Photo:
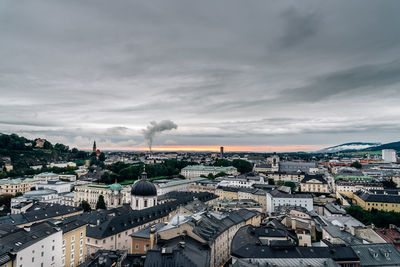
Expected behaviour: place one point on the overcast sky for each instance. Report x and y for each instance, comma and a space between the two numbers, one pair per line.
236, 73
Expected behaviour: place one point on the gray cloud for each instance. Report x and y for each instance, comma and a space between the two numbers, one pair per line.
298, 27
231, 72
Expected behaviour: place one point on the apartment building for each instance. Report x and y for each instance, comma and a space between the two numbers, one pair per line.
314, 184
277, 198
113, 195
36, 245
197, 170
73, 241
18, 185
386, 200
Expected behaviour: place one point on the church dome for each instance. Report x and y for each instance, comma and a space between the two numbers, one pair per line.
115, 187
144, 188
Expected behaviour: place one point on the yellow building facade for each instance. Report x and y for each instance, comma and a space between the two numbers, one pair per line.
385, 202
73, 243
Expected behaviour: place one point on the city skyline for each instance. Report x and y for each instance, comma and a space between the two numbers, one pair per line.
266, 76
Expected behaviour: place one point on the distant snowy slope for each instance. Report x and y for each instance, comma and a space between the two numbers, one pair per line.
349, 146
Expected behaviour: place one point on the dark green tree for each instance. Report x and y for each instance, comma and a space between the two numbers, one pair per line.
86, 206
356, 164
222, 162
389, 184
220, 174
47, 145
100, 203
18, 194
243, 166
102, 157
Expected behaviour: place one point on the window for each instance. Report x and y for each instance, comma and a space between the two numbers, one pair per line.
72, 238
42, 254
64, 242
81, 234
52, 248
104, 241
63, 251
33, 259
52, 258
137, 246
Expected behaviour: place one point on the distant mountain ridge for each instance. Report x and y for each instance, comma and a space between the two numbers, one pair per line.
361, 146
393, 145
353, 146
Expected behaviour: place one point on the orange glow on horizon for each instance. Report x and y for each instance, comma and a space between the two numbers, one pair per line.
277, 148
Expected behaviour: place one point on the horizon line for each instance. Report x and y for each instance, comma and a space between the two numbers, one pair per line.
227, 149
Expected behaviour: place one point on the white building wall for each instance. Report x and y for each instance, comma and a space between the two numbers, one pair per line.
138, 202
60, 188
275, 202
165, 190
389, 155
46, 252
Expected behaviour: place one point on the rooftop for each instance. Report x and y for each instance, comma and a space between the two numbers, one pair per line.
377, 254
180, 182
208, 168
19, 238
280, 194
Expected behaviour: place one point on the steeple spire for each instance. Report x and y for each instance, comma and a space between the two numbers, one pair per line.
94, 146
144, 174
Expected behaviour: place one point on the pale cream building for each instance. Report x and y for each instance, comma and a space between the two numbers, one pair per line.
314, 184
113, 196
13, 186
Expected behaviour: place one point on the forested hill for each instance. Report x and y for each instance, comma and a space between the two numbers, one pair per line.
24, 152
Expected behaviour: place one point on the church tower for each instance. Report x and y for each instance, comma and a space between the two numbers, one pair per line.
94, 146
143, 193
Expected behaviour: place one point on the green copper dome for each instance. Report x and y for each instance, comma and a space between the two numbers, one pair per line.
115, 187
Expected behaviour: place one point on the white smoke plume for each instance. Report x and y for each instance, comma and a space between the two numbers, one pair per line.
155, 128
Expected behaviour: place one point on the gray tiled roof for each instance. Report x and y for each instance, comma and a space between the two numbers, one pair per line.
377, 254
107, 223
170, 253
39, 211
369, 196
18, 239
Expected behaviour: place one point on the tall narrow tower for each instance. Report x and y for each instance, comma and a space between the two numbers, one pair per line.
221, 151
94, 146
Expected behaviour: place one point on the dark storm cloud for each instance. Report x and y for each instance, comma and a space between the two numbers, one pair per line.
298, 27
231, 71
358, 80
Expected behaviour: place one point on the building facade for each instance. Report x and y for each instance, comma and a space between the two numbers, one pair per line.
314, 184
276, 198
90, 192
73, 242
197, 170
13, 186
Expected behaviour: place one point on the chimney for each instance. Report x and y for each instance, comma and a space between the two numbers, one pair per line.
152, 236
